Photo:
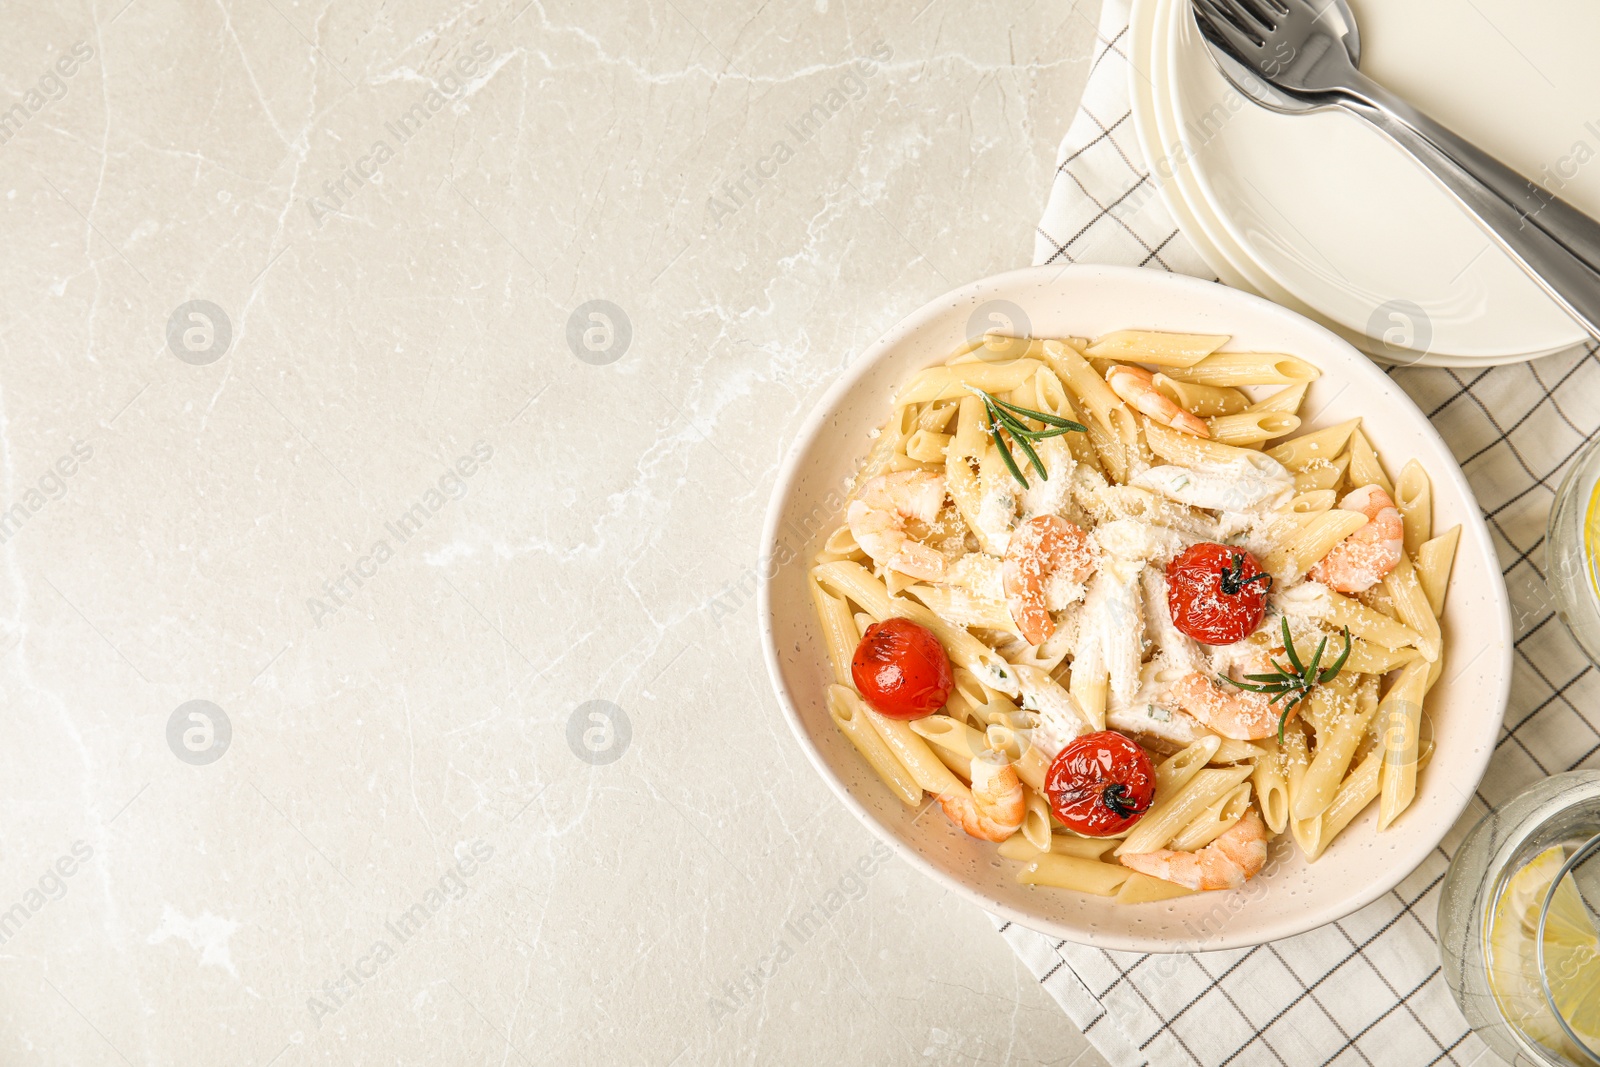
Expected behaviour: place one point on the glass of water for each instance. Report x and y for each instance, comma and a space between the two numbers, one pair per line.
1519, 929
1572, 550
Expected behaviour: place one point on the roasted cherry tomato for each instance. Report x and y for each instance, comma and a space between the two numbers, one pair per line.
1100, 784
1217, 593
902, 670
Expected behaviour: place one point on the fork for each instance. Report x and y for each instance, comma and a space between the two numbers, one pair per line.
1292, 45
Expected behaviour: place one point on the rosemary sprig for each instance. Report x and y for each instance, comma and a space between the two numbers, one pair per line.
1295, 681
1003, 415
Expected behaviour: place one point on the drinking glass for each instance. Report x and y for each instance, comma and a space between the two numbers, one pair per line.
1572, 550
1519, 930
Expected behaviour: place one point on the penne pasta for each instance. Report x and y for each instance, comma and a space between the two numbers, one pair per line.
963, 458
1036, 820
1336, 744
1298, 453
914, 755
1359, 790
1203, 400
1271, 786
1232, 751
1047, 394
1411, 605
1310, 502
1314, 538
1247, 368
847, 712
1187, 450
958, 605
1086, 848
990, 703
1307, 833
954, 737
1111, 455
1144, 889
1331, 699
1287, 399
841, 544
1216, 820
1321, 473
1088, 689
1002, 737
1041, 691
957, 707
883, 451
1092, 393
1054, 400
935, 417
1019, 847
1366, 623
1155, 347
1031, 765
1434, 560
1174, 772
895, 583
855, 583
1364, 466
1369, 658
1400, 716
1413, 495
953, 382
997, 347
1166, 818
1071, 872
967, 347
1252, 427
926, 446
961, 768
839, 631
1355, 793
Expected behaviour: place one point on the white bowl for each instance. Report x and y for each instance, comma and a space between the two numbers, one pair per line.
1290, 896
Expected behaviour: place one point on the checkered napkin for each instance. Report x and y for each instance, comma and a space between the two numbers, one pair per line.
1366, 989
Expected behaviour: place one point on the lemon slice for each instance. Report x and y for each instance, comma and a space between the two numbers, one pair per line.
1591, 525
1572, 962
1571, 954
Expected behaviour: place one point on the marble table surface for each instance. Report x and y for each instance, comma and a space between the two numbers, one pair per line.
389, 398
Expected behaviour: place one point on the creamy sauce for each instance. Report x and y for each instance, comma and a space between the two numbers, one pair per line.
1111, 625
1243, 485
979, 574
1132, 540
1048, 496
997, 514
1060, 718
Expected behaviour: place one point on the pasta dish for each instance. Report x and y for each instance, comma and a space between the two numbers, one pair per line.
1109, 608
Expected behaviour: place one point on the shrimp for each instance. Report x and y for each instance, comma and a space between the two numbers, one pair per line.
1361, 560
1236, 713
1227, 863
1137, 386
1043, 554
878, 514
994, 808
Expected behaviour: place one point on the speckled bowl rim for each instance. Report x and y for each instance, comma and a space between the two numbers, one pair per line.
1444, 806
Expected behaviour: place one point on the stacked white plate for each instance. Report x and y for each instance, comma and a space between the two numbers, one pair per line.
1324, 215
